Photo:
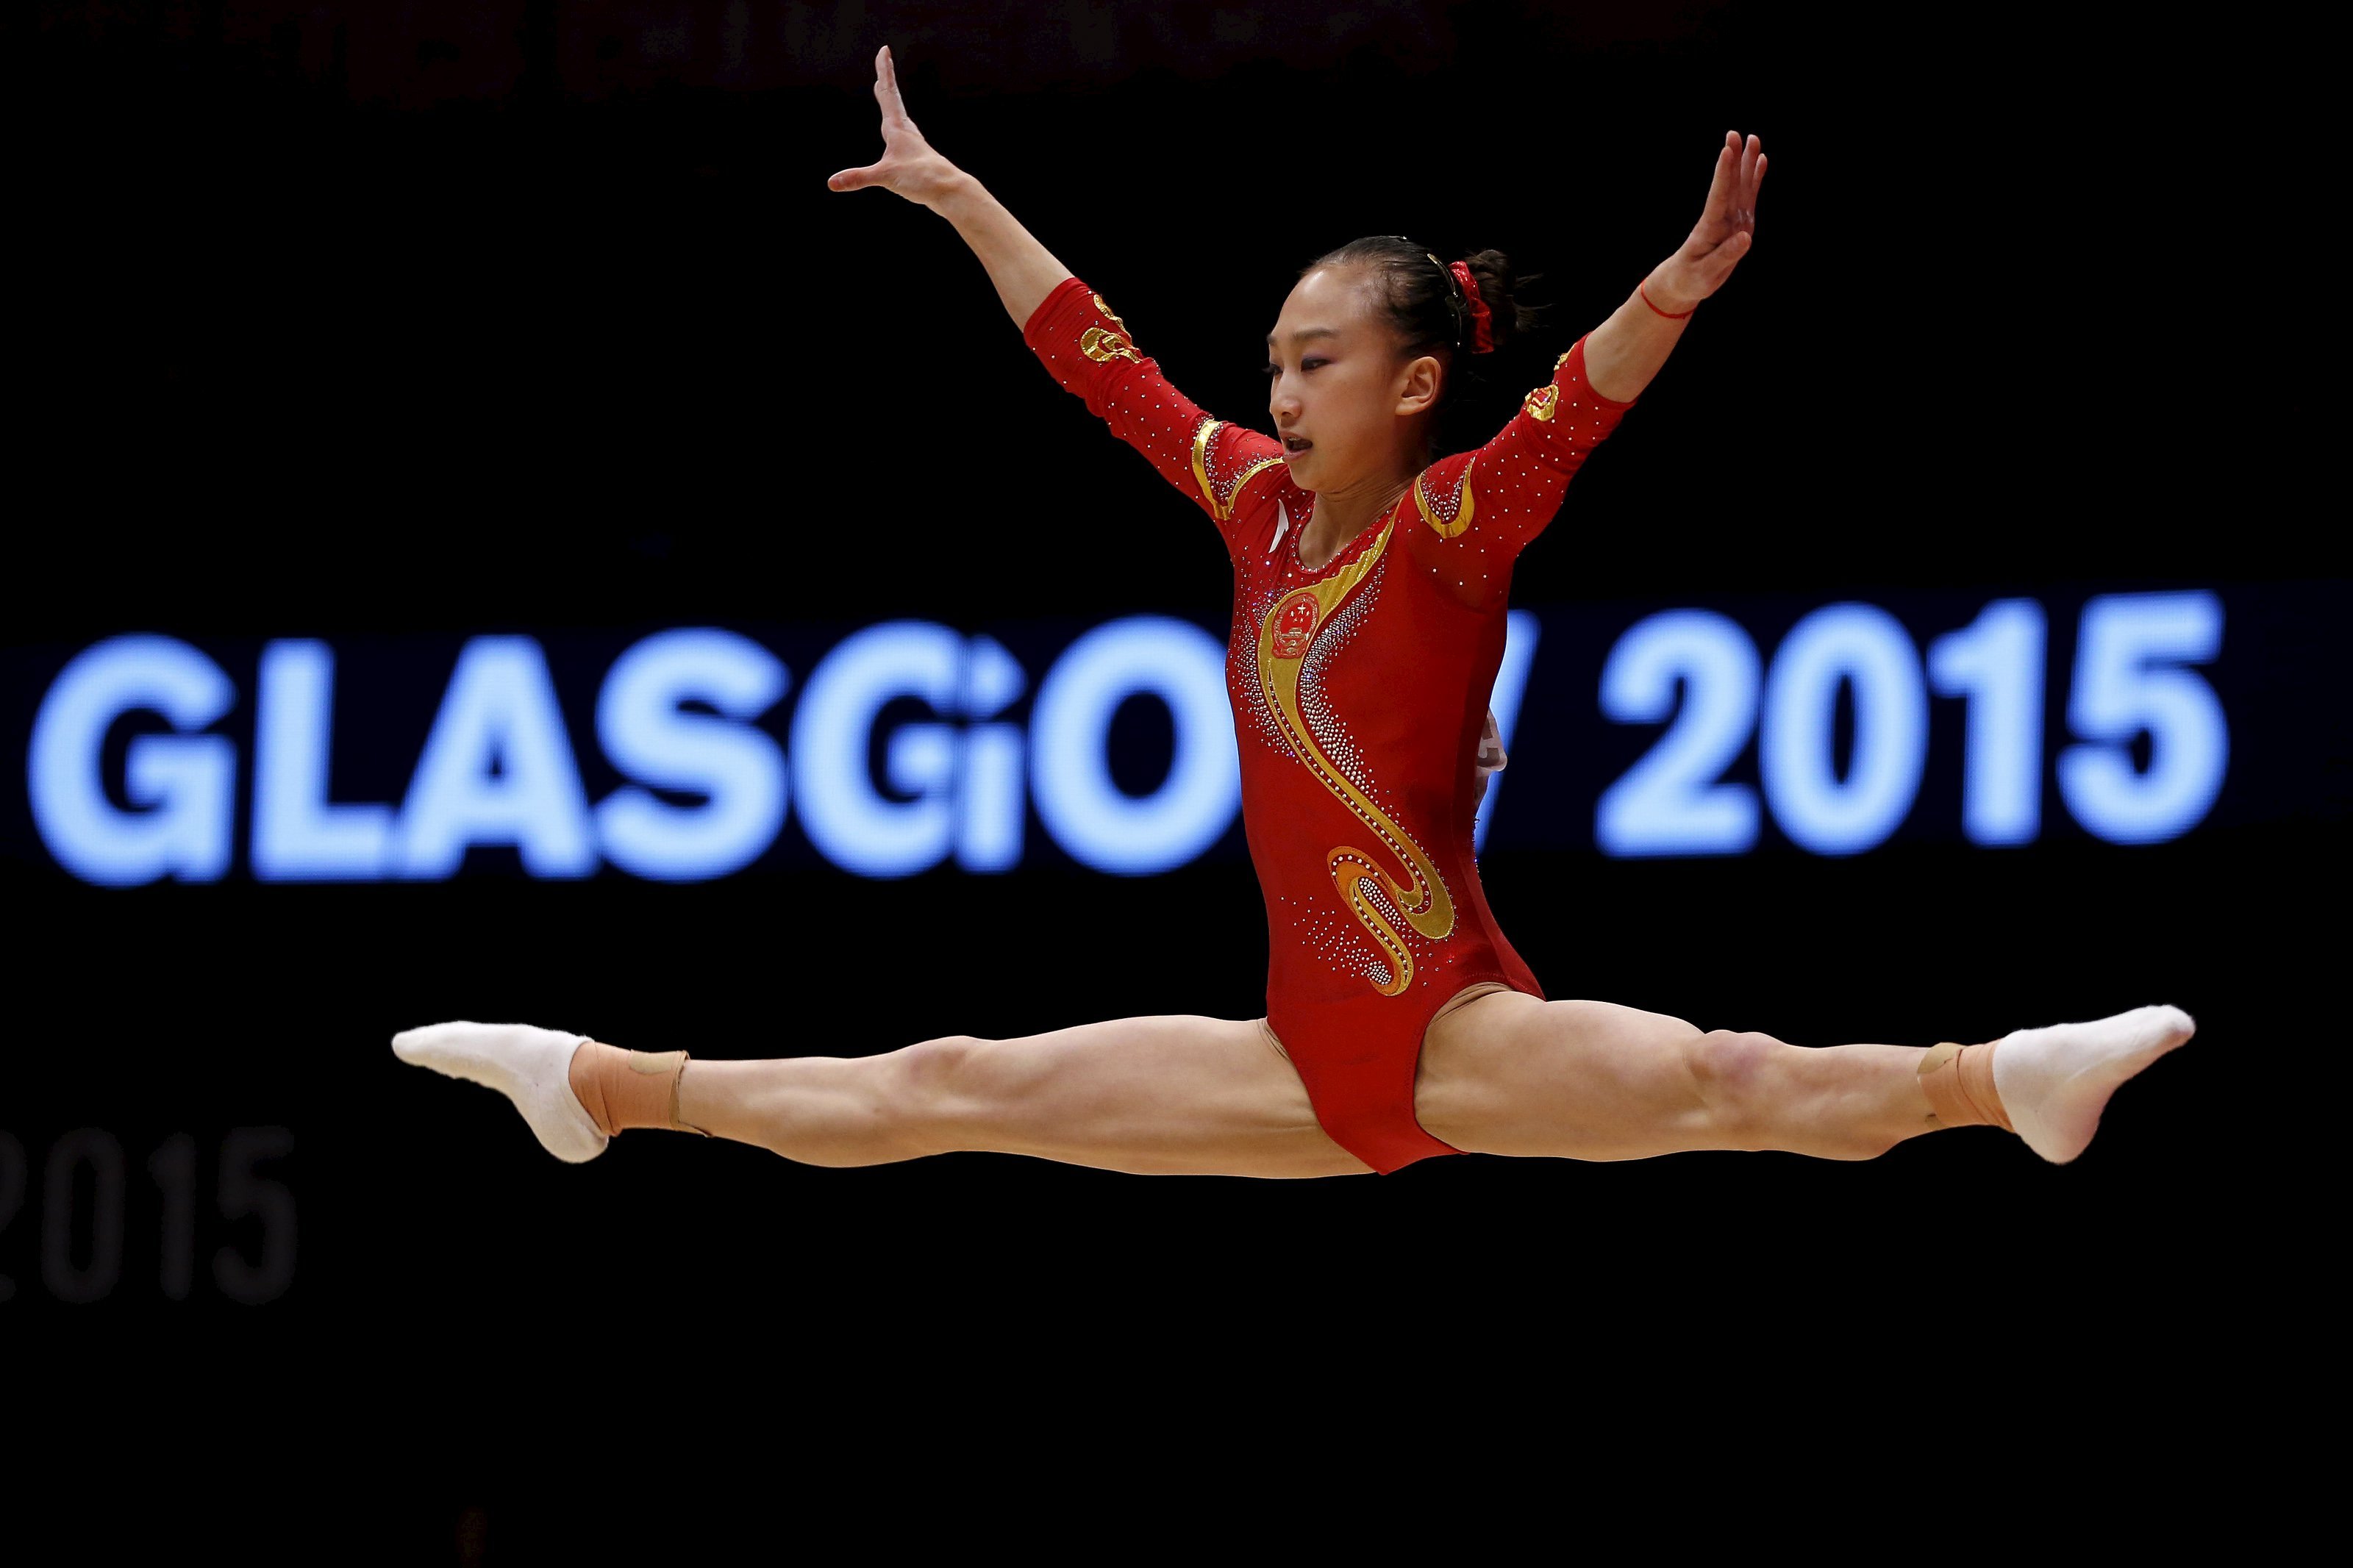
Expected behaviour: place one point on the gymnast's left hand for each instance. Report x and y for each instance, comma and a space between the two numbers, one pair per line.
1491, 758
910, 166
1725, 232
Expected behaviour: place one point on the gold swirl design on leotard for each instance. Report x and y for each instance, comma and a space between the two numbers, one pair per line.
1448, 518
1102, 345
1543, 402
1283, 639
1221, 505
1105, 344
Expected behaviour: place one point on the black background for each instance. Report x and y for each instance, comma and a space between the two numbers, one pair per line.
340, 321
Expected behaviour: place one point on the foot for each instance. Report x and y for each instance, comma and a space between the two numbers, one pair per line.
530, 1066
2054, 1082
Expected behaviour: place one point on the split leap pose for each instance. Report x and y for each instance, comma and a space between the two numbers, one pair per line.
1369, 588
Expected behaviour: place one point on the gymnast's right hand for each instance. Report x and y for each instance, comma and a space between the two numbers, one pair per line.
908, 165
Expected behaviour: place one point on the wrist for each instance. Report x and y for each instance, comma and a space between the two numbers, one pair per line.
957, 196
1666, 293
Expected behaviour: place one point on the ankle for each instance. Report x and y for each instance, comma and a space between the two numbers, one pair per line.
1958, 1082
621, 1090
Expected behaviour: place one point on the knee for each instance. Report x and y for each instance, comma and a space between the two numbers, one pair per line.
949, 1092
936, 1080
1731, 1068
1757, 1095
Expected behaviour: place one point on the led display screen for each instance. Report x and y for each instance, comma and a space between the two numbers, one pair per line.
903, 745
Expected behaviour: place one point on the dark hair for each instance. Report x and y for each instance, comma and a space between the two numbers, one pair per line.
1423, 304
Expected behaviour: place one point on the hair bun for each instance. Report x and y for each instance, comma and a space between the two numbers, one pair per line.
1476, 330
1499, 293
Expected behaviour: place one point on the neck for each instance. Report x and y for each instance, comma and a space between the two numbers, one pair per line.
1349, 509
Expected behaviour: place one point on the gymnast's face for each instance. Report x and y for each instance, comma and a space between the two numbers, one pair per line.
1338, 381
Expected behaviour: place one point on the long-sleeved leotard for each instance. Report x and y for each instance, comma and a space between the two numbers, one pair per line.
1359, 693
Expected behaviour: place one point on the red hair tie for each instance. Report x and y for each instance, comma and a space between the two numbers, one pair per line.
1483, 340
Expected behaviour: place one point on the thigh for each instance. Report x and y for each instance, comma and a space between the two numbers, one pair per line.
1508, 1074
1175, 1094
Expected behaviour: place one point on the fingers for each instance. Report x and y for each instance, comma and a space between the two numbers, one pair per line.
1721, 186
1752, 158
1723, 234
894, 114
1739, 169
886, 85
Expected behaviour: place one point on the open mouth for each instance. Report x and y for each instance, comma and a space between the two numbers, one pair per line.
1293, 446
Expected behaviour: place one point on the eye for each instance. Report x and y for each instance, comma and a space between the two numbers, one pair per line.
1271, 371
1312, 363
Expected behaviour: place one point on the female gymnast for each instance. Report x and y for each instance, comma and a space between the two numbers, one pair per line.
1370, 587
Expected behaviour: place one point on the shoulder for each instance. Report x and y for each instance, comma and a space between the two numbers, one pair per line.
1227, 459
1444, 496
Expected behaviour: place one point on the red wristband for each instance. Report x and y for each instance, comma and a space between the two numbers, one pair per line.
1671, 315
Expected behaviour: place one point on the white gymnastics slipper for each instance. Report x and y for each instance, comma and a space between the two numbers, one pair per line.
530, 1066
2054, 1082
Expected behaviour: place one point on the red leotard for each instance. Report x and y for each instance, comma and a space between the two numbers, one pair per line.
1359, 692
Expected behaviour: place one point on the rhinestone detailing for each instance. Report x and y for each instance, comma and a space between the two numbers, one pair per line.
1245, 689
1451, 514
1222, 490
1373, 895
1314, 701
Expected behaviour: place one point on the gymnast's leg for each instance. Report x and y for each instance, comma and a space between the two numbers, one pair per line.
1167, 1095
1508, 1074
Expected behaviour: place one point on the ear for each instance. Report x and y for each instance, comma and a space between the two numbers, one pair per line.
1417, 385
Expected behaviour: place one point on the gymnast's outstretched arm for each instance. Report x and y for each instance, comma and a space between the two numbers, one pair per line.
1024, 271
1625, 352
1081, 343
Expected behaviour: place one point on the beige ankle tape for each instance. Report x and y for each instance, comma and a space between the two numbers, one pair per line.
621, 1090
679, 1123
1958, 1081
